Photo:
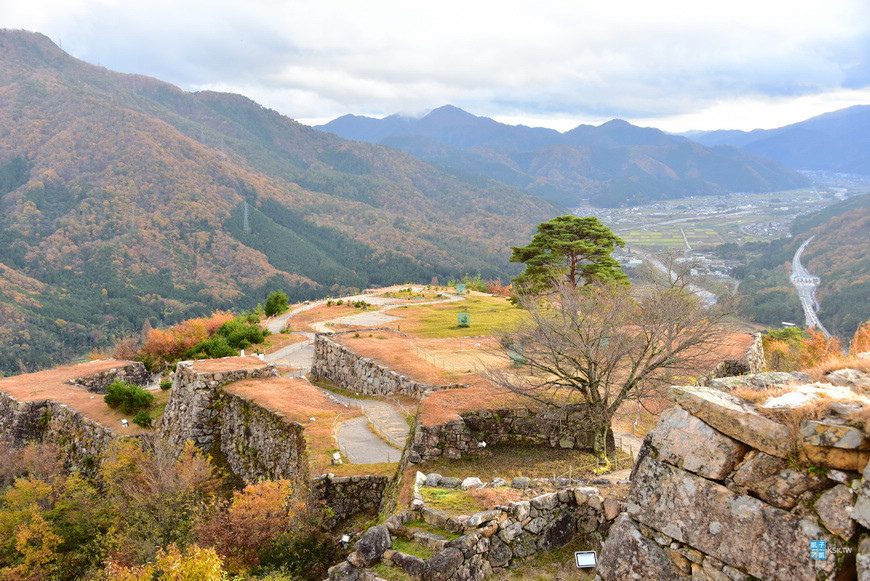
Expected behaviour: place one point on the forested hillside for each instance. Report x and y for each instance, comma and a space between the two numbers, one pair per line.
839, 254
612, 164
123, 198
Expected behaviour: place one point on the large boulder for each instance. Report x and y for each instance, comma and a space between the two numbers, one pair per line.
371, 546
741, 531
683, 440
628, 555
736, 418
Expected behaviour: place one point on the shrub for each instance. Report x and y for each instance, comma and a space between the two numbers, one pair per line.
143, 419
127, 398
276, 303
214, 347
166, 384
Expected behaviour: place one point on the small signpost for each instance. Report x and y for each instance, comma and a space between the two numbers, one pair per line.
460, 288
585, 559
463, 319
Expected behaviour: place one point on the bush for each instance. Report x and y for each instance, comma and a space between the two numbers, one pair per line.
127, 398
214, 347
143, 419
166, 384
276, 303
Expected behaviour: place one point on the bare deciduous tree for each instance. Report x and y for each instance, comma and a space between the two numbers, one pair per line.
606, 345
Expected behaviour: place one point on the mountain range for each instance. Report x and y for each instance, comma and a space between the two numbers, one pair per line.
612, 164
124, 198
838, 141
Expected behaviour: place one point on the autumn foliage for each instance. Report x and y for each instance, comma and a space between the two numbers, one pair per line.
163, 345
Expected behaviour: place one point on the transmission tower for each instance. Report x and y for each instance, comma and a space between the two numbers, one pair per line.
246, 228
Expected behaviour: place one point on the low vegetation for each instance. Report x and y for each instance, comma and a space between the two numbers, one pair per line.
144, 512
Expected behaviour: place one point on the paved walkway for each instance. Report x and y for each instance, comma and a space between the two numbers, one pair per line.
386, 419
298, 355
360, 446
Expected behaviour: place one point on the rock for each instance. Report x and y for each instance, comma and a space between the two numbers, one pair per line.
838, 458
430, 540
863, 560
861, 511
433, 479
829, 433
732, 528
855, 380
545, 501
498, 482
413, 566
510, 532
450, 482
520, 482
471, 482
688, 443
344, 571
482, 517
559, 533
774, 481
435, 517
371, 546
761, 380
465, 543
628, 555
442, 565
519, 510
612, 508
736, 418
834, 507
499, 553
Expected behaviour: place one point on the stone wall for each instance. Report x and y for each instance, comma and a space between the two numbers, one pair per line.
350, 371
258, 444
254, 442
349, 496
491, 541
81, 441
130, 371
717, 494
566, 427
755, 356
192, 413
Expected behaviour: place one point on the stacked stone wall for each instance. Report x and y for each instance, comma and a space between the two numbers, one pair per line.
255, 443
349, 496
720, 492
81, 441
568, 427
259, 444
491, 541
350, 371
130, 372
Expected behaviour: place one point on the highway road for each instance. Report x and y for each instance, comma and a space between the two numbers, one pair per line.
805, 283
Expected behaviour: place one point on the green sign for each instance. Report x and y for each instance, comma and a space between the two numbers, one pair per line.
464, 319
460, 288
517, 355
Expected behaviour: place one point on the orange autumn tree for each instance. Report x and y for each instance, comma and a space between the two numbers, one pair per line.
861, 340
165, 345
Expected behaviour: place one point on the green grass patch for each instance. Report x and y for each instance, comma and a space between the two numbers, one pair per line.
450, 500
423, 526
507, 461
488, 315
391, 573
412, 548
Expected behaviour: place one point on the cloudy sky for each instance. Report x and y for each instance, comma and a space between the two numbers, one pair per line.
672, 64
